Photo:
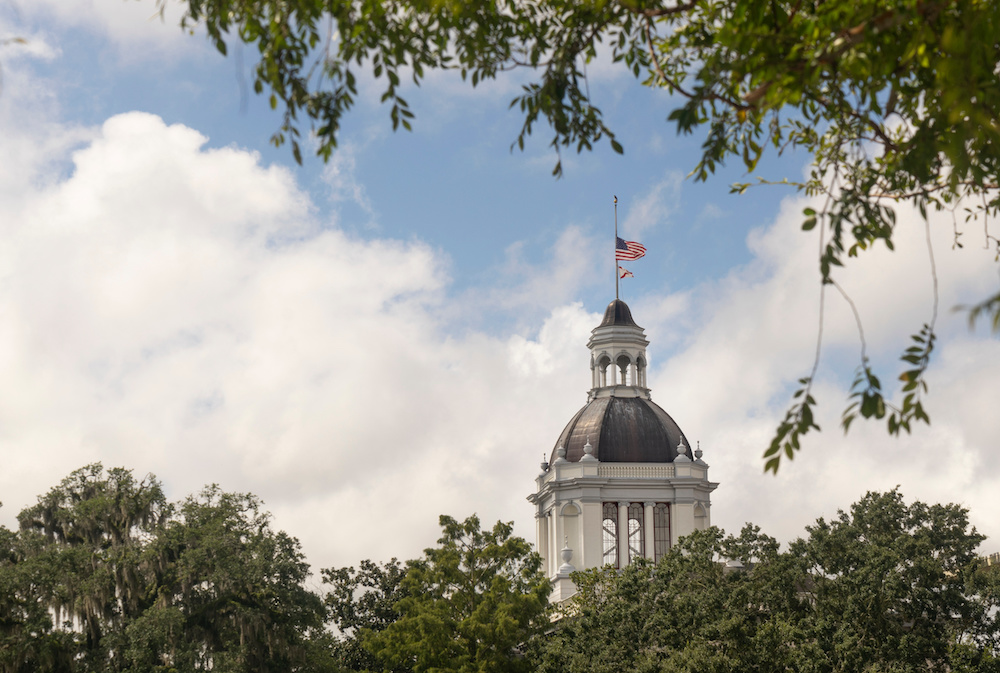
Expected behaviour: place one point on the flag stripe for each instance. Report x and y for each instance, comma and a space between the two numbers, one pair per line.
629, 249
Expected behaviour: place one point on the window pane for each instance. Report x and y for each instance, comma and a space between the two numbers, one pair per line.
661, 529
610, 533
635, 531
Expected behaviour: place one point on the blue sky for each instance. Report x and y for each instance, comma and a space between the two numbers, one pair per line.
401, 332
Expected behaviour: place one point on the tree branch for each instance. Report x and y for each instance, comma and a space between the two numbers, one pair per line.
675, 85
876, 128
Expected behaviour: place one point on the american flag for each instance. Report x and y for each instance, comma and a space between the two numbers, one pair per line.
624, 273
629, 249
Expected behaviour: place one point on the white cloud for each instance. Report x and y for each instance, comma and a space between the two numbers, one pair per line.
36, 150
656, 207
710, 212
183, 311
136, 28
186, 311
16, 43
573, 264
339, 174
739, 343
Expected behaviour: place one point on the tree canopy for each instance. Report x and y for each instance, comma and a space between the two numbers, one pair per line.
105, 574
895, 101
469, 605
884, 587
363, 602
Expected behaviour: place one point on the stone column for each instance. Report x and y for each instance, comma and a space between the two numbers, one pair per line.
647, 523
542, 535
542, 541
553, 542
672, 518
622, 534
557, 538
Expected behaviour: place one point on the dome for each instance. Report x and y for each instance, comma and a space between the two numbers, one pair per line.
617, 313
622, 430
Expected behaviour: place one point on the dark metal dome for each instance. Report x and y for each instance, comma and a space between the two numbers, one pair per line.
622, 430
617, 313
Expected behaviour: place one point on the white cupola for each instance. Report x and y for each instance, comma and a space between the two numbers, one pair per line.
620, 482
618, 355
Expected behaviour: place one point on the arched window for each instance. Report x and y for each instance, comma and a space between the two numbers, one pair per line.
624, 364
635, 531
602, 372
700, 517
661, 529
610, 533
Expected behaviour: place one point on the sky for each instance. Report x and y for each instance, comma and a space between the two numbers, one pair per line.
400, 333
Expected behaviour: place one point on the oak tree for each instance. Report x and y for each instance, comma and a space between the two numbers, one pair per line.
82, 546
105, 574
471, 603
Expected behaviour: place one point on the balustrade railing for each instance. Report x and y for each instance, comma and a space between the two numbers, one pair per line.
636, 471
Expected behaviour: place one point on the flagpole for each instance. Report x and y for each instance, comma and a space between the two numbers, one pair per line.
616, 248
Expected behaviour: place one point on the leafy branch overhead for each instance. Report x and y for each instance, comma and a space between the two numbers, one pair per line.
895, 101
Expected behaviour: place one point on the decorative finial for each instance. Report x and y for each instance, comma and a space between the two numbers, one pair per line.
682, 450
567, 555
588, 451
698, 453
560, 454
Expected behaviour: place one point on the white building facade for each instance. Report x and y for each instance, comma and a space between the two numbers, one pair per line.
621, 482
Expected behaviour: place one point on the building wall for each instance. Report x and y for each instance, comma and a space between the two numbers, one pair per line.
569, 504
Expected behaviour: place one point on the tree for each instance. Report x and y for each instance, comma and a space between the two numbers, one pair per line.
231, 596
363, 602
885, 587
28, 641
895, 101
688, 613
82, 546
896, 583
470, 603
106, 575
